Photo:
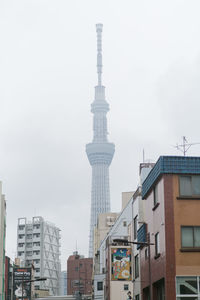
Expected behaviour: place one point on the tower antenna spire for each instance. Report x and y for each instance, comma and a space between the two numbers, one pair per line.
99, 28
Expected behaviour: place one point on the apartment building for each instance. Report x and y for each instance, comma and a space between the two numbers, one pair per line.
38, 242
170, 268
79, 275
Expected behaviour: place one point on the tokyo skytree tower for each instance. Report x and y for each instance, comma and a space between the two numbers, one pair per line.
100, 152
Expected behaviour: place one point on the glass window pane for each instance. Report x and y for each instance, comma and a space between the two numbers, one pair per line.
186, 285
197, 236
185, 185
187, 236
196, 185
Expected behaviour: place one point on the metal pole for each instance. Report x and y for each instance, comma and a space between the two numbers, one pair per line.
149, 261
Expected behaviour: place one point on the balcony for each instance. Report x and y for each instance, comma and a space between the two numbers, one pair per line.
36, 256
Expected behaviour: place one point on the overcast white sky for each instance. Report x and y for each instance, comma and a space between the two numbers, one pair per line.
151, 58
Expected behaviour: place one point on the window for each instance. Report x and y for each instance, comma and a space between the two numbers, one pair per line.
135, 227
146, 253
99, 286
155, 195
29, 236
126, 287
21, 227
190, 236
189, 185
187, 287
124, 224
36, 235
136, 266
157, 244
76, 269
137, 297
21, 236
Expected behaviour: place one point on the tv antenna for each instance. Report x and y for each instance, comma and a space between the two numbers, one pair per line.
184, 147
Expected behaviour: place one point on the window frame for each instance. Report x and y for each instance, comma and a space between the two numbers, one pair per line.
137, 272
193, 237
195, 195
135, 224
157, 244
100, 283
155, 195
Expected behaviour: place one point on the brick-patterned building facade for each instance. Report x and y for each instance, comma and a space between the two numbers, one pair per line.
79, 275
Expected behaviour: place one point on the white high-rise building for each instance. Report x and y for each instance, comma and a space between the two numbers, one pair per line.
38, 242
100, 152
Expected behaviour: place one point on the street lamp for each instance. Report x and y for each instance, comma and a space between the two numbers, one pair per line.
145, 244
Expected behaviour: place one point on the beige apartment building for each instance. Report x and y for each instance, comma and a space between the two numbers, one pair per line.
104, 223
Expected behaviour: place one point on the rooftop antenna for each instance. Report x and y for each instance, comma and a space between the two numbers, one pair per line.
184, 147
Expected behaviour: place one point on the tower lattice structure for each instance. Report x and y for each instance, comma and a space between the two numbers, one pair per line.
100, 152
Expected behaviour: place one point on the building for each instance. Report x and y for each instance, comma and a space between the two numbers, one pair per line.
2, 242
79, 275
8, 278
38, 242
108, 282
63, 283
100, 152
104, 223
170, 268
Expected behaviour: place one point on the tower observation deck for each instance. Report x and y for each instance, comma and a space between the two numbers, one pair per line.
100, 152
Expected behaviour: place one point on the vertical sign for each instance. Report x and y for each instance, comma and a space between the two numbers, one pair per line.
21, 288
121, 264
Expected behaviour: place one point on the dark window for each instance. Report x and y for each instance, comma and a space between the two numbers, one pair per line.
99, 286
135, 227
136, 266
146, 253
137, 297
124, 224
21, 236
126, 287
76, 269
21, 227
189, 185
157, 244
190, 236
155, 195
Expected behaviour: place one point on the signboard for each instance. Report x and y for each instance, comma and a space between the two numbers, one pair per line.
121, 264
21, 288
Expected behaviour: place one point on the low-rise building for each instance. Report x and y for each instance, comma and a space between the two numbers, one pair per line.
170, 268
